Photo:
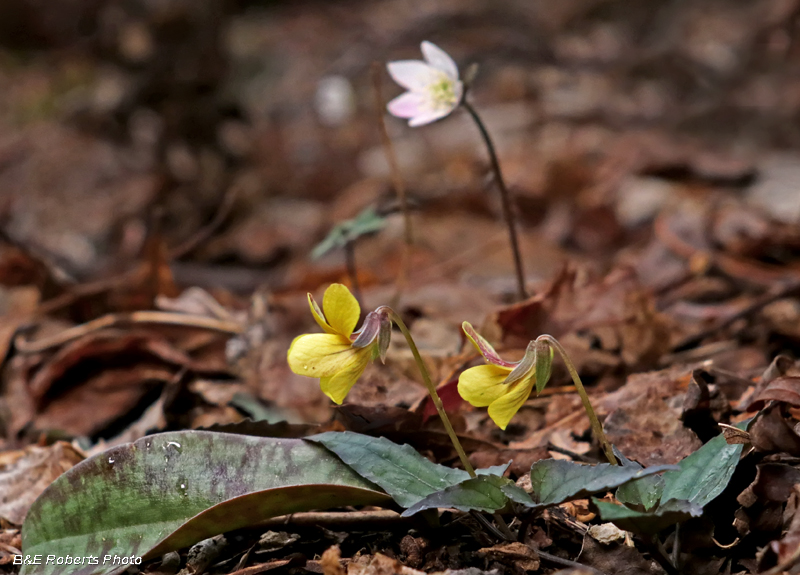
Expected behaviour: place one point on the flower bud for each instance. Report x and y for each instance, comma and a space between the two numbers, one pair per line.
544, 363
369, 330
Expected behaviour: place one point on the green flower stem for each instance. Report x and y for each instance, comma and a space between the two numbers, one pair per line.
597, 427
504, 197
395, 317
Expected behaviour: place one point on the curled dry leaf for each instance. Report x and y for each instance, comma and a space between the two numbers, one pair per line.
774, 483
331, 561
785, 389
771, 432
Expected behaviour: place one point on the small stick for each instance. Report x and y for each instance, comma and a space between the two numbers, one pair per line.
200, 236
575, 456
336, 519
352, 271
504, 197
261, 567
653, 545
778, 292
25, 346
676, 545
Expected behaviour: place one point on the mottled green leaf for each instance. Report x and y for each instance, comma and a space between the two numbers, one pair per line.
647, 522
170, 490
483, 493
556, 481
705, 473
641, 493
402, 472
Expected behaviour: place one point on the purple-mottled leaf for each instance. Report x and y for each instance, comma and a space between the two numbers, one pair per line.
170, 490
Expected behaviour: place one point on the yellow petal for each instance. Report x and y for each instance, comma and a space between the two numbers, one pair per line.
319, 354
483, 384
504, 408
318, 316
341, 309
337, 386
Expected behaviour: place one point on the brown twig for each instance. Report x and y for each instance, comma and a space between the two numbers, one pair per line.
773, 295
26, 346
397, 179
262, 567
575, 456
205, 232
337, 519
352, 270
125, 278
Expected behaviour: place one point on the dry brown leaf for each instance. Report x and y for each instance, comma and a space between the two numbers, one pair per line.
770, 432
783, 389
25, 474
331, 561
380, 564
516, 555
650, 431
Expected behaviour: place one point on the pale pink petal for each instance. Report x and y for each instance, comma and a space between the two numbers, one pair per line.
406, 105
414, 75
439, 59
429, 116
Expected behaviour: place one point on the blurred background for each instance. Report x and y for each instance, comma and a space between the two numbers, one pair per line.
240, 132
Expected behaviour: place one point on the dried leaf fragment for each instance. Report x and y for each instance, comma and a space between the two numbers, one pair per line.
23, 478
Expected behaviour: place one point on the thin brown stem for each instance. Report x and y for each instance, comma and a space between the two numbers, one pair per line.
504, 198
426, 378
26, 346
352, 271
397, 182
391, 157
597, 427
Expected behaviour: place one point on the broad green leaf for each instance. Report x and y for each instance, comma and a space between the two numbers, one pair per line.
170, 490
705, 473
493, 470
647, 522
402, 472
483, 493
556, 481
644, 492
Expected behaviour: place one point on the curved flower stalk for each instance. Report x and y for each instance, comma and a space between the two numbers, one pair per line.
339, 356
434, 88
434, 92
504, 386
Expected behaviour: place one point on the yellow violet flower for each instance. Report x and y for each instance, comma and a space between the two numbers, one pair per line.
339, 356
501, 385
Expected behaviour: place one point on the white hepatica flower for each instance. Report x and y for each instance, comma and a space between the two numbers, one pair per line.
434, 89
